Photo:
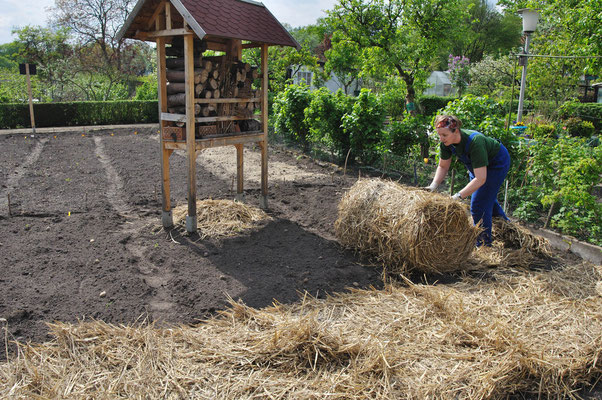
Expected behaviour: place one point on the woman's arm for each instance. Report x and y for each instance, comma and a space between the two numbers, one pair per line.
480, 176
442, 169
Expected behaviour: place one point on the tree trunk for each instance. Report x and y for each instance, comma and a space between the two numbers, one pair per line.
411, 107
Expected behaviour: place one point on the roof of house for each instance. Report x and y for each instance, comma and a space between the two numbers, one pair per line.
235, 19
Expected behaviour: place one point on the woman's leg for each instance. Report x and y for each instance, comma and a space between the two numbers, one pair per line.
484, 204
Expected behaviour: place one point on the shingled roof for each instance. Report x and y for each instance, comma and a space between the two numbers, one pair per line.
234, 19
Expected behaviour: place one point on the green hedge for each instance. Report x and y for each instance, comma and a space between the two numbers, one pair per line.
586, 111
431, 104
79, 113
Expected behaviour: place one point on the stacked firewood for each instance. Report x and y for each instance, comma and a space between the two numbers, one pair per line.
215, 77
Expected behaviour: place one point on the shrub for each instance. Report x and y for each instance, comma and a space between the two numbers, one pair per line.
542, 131
79, 113
148, 89
430, 105
364, 125
591, 112
576, 127
324, 116
407, 133
289, 111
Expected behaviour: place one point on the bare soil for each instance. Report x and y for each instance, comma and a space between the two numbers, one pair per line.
80, 233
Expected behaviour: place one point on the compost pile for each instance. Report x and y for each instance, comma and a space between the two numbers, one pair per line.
521, 332
405, 228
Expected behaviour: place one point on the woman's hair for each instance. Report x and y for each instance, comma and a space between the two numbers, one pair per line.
448, 121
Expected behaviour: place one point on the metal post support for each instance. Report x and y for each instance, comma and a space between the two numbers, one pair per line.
523, 81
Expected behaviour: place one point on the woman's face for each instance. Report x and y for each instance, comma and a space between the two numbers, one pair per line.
447, 136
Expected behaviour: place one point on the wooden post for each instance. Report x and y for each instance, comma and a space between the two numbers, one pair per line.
239, 172
191, 222
31, 116
264, 123
166, 215
167, 15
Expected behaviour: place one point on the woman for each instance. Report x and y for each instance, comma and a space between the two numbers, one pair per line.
487, 161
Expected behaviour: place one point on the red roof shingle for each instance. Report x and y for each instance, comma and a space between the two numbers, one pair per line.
235, 19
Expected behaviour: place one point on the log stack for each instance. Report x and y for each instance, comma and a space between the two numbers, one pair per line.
215, 77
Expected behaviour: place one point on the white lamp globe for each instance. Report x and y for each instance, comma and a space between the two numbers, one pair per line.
530, 19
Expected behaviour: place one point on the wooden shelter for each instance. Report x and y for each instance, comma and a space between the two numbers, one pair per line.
207, 101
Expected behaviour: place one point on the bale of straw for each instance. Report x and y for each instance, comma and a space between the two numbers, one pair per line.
405, 228
221, 218
515, 236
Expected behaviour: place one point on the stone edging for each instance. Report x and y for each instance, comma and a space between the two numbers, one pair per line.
586, 251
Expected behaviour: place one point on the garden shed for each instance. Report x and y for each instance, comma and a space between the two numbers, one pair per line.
208, 101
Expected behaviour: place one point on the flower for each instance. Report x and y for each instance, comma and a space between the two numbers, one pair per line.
426, 160
519, 123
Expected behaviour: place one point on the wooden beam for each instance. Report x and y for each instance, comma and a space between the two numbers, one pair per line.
191, 222
152, 20
217, 141
166, 32
166, 217
251, 45
173, 117
235, 48
264, 126
239, 172
168, 16
228, 100
221, 119
217, 46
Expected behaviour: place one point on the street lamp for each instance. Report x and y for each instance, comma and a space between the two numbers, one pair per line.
530, 18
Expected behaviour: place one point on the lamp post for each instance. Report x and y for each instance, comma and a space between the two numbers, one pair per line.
530, 18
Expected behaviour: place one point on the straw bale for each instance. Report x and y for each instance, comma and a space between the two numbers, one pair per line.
524, 332
405, 228
513, 235
221, 218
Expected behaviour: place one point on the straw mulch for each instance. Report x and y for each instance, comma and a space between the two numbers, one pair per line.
513, 235
221, 218
529, 333
405, 228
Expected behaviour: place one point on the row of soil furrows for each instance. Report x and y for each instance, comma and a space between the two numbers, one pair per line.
83, 240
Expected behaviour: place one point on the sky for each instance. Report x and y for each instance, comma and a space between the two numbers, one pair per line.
19, 13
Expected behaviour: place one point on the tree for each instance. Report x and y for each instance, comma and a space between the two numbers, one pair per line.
567, 27
396, 37
343, 60
100, 56
95, 23
50, 50
480, 31
285, 62
492, 76
459, 72
9, 55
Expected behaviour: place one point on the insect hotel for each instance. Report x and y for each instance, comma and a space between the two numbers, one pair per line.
208, 101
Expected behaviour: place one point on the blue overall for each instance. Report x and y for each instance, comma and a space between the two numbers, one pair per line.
483, 203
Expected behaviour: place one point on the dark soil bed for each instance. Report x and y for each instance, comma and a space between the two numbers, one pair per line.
80, 238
